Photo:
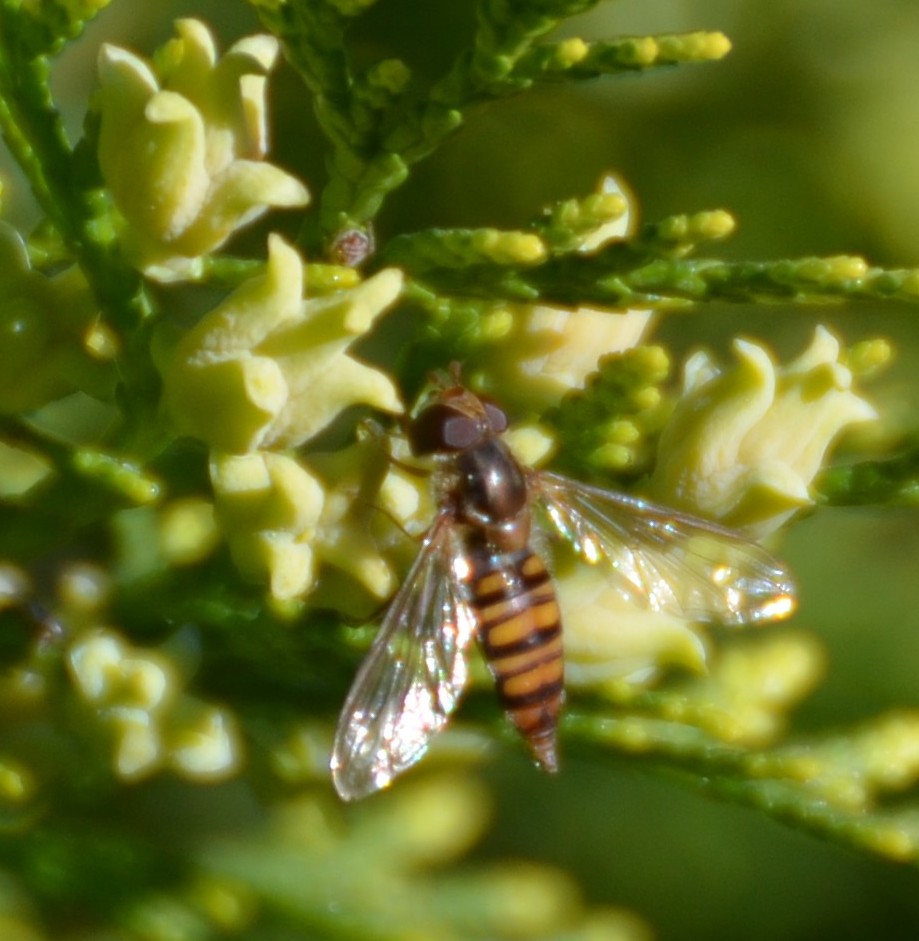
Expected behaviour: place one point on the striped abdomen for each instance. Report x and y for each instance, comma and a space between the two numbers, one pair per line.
521, 635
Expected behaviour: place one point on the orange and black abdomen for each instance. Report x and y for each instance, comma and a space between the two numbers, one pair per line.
521, 636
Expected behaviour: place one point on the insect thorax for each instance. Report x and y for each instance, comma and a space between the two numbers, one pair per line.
490, 486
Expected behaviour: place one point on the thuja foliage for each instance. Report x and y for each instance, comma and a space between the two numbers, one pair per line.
203, 488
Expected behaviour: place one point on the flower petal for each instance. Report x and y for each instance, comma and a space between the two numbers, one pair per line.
181, 147
607, 638
238, 196
745, 442
270, 506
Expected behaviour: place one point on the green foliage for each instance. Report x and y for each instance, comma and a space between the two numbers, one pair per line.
622, 277
33, 130
547, 62
43, 27
873, 483
192, 512
837, 785
608, 428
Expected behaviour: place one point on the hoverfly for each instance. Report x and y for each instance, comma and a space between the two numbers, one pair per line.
477, 575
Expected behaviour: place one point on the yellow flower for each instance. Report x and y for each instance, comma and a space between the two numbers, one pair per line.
269, 507
136, 694
535, 353
745, 442
284, 519
182, 143
268, 369
609, 638
203, 742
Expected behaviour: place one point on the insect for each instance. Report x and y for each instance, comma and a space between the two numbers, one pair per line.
353, 246
477, 575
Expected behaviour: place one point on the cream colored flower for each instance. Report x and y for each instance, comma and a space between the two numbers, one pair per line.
534, 353
745, 441
608, 638
284, 520
182, 143
137, 695
269, 507
203, 743
130, 689
268, 369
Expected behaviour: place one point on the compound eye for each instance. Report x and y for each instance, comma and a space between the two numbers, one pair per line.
442, 428
497, 419
460, 431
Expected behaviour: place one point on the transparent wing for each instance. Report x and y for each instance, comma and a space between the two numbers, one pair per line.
413, 676
666, 560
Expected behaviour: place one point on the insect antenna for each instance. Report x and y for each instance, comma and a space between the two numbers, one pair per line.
449, 378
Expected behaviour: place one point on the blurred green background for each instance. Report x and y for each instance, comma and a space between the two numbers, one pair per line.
808, 132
